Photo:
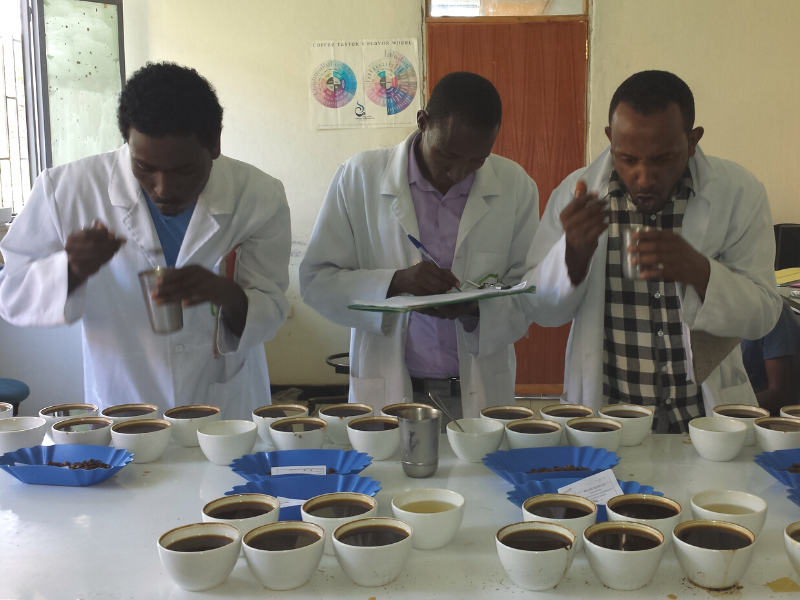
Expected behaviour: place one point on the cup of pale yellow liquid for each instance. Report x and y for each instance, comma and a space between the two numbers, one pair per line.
435, 515
731, 506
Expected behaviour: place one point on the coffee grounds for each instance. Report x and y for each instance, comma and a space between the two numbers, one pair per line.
795, 468
89, 465
558, 469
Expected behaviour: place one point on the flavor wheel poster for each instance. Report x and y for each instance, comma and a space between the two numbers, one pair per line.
364, 83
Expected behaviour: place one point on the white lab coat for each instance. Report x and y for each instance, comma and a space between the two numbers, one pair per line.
360, 240
728, 220
124, 361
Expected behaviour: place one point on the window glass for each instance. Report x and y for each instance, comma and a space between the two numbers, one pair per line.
505, 8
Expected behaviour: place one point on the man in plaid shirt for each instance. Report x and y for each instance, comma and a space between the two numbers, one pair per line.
704, 248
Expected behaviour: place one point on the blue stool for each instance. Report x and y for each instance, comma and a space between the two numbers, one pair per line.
13, 392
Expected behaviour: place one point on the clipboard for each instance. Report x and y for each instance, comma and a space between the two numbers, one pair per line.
404, 304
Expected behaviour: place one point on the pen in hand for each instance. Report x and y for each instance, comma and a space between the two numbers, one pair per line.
418, 245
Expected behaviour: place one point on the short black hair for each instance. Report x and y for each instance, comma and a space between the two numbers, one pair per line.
469, 97
649, 92
165, 99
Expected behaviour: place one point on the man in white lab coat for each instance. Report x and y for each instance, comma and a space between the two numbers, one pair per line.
475, 214
165, 198
706, 261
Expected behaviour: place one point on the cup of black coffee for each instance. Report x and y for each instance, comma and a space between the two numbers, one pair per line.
147, 439
200, 556
186, 419
713, 554
536, 555
284, 556
573, 512
373, 552
533, 433
656, 511
329, 511
243, 511
624, 556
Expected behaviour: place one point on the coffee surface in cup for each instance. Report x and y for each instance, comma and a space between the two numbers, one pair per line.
374, 426
536, 540
739, 413
199, 543
531, 428
344, 411
278, 412
625, 414
795, 536
192, 413
373, 535
296, 427
594, 427
128, 412
278, 540
134, 427
642, 509
239, 510
567, 412
339, 508
729, 509
506, 414
713, 537
622, 539
428, 506
782, 426
559, 509
70, 412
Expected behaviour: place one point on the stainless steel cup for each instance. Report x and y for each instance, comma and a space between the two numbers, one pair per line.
419, 440
164, 318
629, 270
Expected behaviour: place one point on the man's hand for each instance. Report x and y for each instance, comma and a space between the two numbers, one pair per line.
667, 256
423, 279
88, 250
454, 311
195, 285
583, 220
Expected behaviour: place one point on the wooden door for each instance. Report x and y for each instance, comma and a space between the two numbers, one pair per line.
539, 68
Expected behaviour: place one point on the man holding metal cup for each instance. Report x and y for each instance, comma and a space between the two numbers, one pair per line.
210, 236
650, 250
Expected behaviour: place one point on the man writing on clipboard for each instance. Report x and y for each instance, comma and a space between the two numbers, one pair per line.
473, 212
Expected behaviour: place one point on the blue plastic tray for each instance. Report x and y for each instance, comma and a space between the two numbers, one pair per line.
304, 487
776, 462
255, 467
29, 465
550, 486
512, 465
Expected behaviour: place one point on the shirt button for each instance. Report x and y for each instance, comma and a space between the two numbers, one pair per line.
652, 217
668, 401
416, 261
660, 333
179, 348
664, 369
658, 294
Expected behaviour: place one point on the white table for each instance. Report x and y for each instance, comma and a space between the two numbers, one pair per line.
100, 542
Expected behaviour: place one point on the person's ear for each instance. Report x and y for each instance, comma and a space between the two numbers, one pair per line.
422, 120
694, 138
215, 149
608, 134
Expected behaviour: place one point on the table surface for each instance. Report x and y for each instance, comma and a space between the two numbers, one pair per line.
100, 541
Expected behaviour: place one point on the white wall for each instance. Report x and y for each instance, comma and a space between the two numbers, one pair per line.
254, 52
740, 57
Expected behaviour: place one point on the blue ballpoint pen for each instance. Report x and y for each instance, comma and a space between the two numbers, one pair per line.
418, 245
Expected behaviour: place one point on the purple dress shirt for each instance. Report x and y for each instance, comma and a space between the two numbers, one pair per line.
431, 348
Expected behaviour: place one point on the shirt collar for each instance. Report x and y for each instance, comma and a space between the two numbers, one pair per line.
616, 187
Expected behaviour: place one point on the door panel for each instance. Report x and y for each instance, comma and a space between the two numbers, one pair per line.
539, 68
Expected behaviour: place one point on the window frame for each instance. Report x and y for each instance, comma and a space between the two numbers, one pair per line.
506, 18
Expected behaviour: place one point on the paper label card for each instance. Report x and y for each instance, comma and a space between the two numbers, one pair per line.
599, 488
304, 470
287, 502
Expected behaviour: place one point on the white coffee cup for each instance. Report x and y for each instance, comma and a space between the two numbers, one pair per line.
184, 426
329, 524
264, 415
524, 433
21, 432
91, 431
380, 444
717, 439
664, 525
504, 415
284, 569
711, 568
62, 412
745, 413
146, 446
562, 413
792, 545
576, 525
623, 570
224, 441
636, 420
432, 530
479, 438
120, 413
609, 439
536, 571
198, 571
373, 566
269, 504
731, 506
296, 433
337, 416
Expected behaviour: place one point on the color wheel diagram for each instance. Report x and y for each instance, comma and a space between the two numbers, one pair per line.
333, 84
392, 82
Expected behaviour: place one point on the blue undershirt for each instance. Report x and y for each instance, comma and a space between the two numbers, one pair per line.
170, 230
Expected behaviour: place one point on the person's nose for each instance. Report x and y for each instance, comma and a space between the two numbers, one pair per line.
645, 177
164, 186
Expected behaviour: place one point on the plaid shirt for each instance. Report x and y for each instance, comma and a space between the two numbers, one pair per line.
644, 360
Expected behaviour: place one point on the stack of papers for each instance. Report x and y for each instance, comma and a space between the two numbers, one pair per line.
787, 276
402, 304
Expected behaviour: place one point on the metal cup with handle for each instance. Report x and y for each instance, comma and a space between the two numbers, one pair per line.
419, 440
164, 318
